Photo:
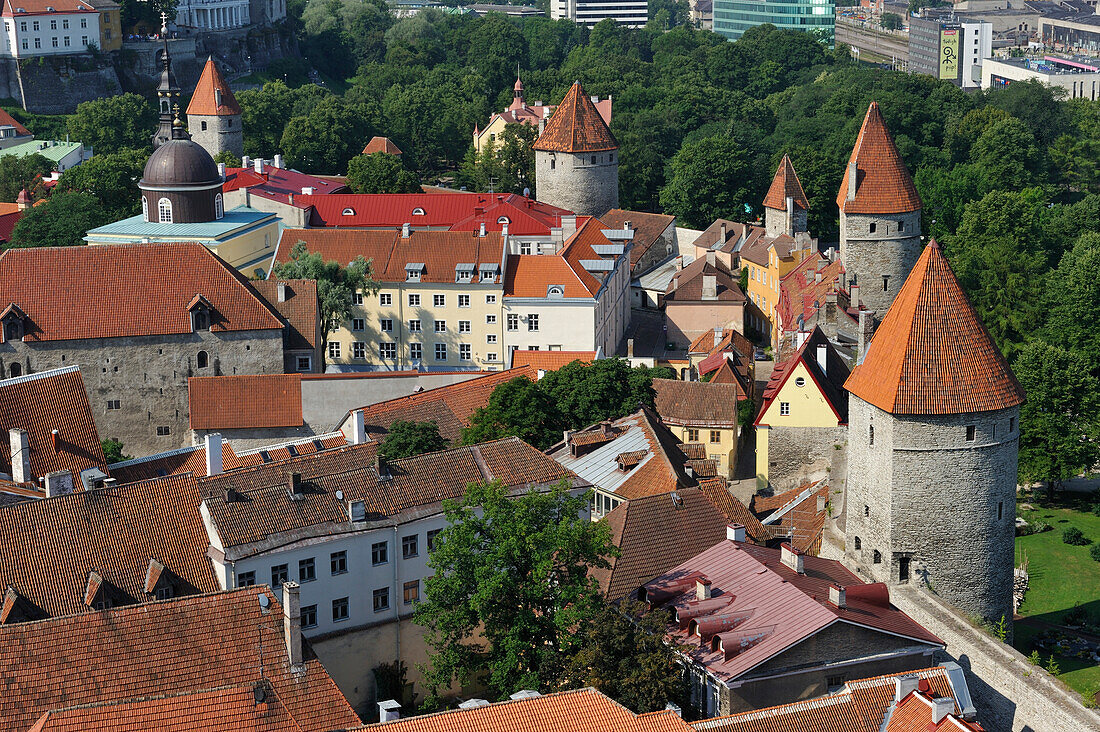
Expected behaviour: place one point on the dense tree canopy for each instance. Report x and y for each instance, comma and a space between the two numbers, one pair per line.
22, 172
405, 439
113, 123
60, 221
380, 173
112, 178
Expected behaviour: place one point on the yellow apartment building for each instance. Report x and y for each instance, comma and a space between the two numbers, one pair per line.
703, 413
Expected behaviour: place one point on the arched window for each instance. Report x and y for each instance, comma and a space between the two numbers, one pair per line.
164, 208
418, 212
348, 212
859, 544
503, 220
878, 557
219, 207
15, 370
145, 208
202, 360
203, 125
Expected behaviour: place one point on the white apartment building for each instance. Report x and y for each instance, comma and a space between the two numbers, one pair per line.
216, 14
48, 27
977, 44
631, 13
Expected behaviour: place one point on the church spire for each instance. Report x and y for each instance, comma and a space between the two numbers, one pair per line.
168, 92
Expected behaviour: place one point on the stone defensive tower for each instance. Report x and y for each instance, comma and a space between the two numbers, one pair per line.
213, 116
879, 216
577, 158
933, 433
785, 205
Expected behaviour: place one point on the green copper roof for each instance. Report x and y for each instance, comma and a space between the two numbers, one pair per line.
55, 150
234, 222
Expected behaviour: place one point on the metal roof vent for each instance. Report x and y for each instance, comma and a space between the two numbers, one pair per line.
474, 704
525, 694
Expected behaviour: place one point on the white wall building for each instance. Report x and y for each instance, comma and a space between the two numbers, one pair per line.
977, 44
215, 14
1080, 78
631, 13
48, 27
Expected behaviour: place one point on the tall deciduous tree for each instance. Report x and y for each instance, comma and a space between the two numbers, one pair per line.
514, 571
1072, 296
405, 439
61, 221
327, 137
603, 389
112, 178
19, 172
708, 179
381, 173
114, 123
516, 408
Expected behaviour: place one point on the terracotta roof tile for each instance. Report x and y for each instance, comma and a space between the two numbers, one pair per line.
381, 144
914, 713
697, 403
786, 185
648, 228
41, 403
550, 360
883, 185
576, 126
801, 294
6, 120
932, 354
687, 284
531, 275
173, 462
245, 402
112, 531
801, 524
728, 236
211, 89
163, 648
733, 509
299, 309
146, 289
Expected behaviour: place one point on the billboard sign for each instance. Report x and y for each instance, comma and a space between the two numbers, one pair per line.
949, 53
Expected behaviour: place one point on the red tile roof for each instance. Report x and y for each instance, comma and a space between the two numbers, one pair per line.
8, 220
801, 524
576, 126
281, 184
932, 354
245, 402
687, 284
299, 309
801, 294
583, 710
883, 185
736, 512
550, 360
830, 381
41, 403
462, 210
381, 144
786, 185
6, 120
42, 7
145, 290
52, 545
211, 86
915, 713
778, 608
697, 403
648, 228
201, 643
732, 239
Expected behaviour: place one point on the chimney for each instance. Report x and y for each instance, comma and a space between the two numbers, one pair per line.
290, 198
258, 165
278, 162
866, 330
722, 240
55, 439
941, 707
710, 287
679, 262
281, 290
675, 709
307, 190
630, 348
568, 226
790, 215
217, 97
389, 710
358, 428
213, 443
405, 231
382, 467
504, 230
294, 485
853, 172
710, 258
735, 532
627, 226
822, 359
817, 277
20, 444
702, 589
791, 558
221, 170
853, 295
246, 162
904, 686
292, 622
836, 596
717, 336
481, 229
59, 483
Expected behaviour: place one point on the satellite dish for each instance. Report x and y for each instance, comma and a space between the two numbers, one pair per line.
339, 495
265, 601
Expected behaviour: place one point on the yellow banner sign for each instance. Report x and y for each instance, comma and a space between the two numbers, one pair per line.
949, 54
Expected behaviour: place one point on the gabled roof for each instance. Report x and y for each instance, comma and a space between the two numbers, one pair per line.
259, 401
802, 293
687, 284
6, 120
532, 275
281, 184
731, 237
210, 89
201, 643
648, 228
41, 403
794, 516
830, 381
731, 372
437, 209
786, 185
381, 144
932, 354
299, 309
550, 360
583, 710
523, 216
883, 184
697, 403
143, 290
576, 126
736, 512
916, 713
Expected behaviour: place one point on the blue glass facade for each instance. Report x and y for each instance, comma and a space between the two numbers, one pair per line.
733, 17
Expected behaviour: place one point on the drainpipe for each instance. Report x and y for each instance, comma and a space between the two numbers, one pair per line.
396, 606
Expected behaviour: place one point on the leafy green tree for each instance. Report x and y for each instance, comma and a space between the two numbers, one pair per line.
607, 388
505, 166
405, 439
1058, 422
707, 180
112, 178
112, 450
891, 21
335, 284
264, 114
514, 571
1072, 294
326, 138
496, 48
61, 221
114, 123
1007, 153
381, 173
229, 158
19, 172
516, 408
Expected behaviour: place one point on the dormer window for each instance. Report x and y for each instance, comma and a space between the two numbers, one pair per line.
201, 312
464, 272
12, 318
418, 211
487, 273
555, 291
348, 212
413, 271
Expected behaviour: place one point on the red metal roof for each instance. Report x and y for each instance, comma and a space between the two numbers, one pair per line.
883, 184
280, 184
461, 210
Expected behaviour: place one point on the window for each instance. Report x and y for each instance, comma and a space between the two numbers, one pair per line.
412, 592
166, 592
1000, 510
84, 24
871, 227
799, 381
464, 352
309, 616
490, 319
359, 350
164, 206
871, 434
338, 562
784, 409
219, 205
440, 351
279, 574
464, 301
441, 326
491, 357
53, 25
379, 553
439, 301
886, 283
593, 159
23, 26
246, 579
859, 543
412, 275
384, 299
491, 338
414, 300
202, 359
432, 537
340, 609
834, 682
414, 325
25, 46
877, 557
409, 546
903, 569
359, 323
553, 163
114, 404
1011, 424
53, 41
163, 431
490, 299
715, 436
532, 322
306, 570
334, 349
901, 226
35, 26
866, 510
67, 44
693, 435
387, 350
357, 298
416, 351
971, 433
464, 326
381, 599
305, 363
513, 322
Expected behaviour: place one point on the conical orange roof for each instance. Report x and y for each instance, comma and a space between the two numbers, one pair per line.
786, 184
212, 89
883, 185
931, 354
576, 126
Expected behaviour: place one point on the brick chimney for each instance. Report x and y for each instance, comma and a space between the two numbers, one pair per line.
405, 231
853, 172
837, 596
258, 165
292, 622
59, 483
280, 290
278, 161
823, 359
20, 444
294, 485
791, 558
213, 444
702, 589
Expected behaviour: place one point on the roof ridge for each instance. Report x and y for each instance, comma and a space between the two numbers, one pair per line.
25, 378
156, 456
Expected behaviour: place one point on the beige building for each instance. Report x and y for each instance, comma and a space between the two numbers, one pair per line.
704, 413
703, 296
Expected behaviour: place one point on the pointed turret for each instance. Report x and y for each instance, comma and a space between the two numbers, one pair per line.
517, 95
876, 180
213, 116
168, 92
785, 205
576, 127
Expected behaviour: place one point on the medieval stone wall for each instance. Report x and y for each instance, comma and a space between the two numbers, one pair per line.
798, 455
56, 85
217, 134
887, 251
575, 183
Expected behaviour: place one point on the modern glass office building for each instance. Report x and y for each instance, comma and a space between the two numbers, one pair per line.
733, 17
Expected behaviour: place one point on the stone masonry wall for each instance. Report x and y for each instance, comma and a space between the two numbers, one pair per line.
221, 133
887, 251
797, 455
577, 184
57, 85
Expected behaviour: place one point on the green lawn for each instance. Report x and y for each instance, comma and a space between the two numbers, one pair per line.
1061, 576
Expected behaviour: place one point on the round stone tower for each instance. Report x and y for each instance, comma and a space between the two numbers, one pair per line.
577, 158
213, 116
933, 433
785, 205
879, 216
